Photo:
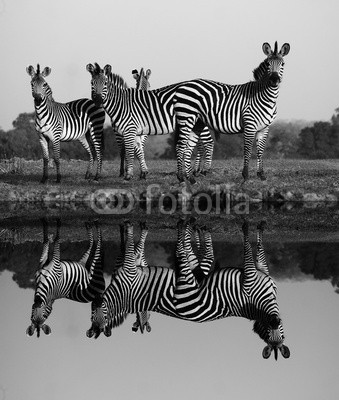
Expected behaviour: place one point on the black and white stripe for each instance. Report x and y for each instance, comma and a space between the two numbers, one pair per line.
138, 112
57, 122
80, 281
142, 83
191, 293
249, 108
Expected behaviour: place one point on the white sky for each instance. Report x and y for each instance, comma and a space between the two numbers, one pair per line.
177, 39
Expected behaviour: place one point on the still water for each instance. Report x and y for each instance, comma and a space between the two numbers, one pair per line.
142, 352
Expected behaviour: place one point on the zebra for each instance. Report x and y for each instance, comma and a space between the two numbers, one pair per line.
247, 292
57, 122
139, 112
142, 83
80, 281
249, 108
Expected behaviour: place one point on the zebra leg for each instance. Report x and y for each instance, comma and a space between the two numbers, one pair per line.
249, 134
184, 255
208, 256
45, 246
250, 271
139, 248
187, 156
260, 261
205, 252
208, 147
139, 145
261, 138
45, 156
198, 165
179, 149
85, 256
120, 142
56, 151
94, 267
183, 133
98, 150
129, 139
87, 147
129, 264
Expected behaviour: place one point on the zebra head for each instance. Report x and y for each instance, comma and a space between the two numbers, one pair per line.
99, 320
270, 329
142, 79
40, 313
40, 88
99, 82
273, 67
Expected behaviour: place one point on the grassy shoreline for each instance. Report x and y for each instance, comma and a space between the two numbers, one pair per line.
291, 183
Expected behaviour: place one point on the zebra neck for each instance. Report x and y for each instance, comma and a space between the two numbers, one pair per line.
114, 101
263, 86
46, 107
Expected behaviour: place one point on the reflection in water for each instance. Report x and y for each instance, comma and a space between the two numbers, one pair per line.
194, 289
81, 280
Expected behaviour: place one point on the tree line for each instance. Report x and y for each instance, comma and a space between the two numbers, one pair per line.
286, 139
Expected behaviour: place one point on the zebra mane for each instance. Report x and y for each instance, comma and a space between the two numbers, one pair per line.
38, 69
118, 81
261, 71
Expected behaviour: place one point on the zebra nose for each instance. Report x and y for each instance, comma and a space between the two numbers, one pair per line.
274, 322
97, 100
274, 78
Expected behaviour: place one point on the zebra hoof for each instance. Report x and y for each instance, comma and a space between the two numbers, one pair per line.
43, 181
192, 180
245, 227
143, 175
245, 174
262, 176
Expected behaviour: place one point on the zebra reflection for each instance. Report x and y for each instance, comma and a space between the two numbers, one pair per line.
194, 290
81, 280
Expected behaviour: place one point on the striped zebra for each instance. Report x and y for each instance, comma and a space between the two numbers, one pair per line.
249, 108
80, 281
142, 83
57, 122
247, 292
138, 112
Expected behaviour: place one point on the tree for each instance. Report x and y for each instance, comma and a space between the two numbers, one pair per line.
320, 140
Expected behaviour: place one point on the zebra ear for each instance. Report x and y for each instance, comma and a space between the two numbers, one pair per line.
266, 48
107, 69
285, 351
285, 49
90, 332
30, 70
135, 74
46, 329
148, 73
30, 330
267, 351
90, 68
46, 71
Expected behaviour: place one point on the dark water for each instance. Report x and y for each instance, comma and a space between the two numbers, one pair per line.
177, 358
